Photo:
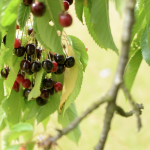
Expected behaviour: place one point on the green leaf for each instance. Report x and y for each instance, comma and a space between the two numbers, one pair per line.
100, 24
45, 122
120, 6
146, 8
66, 118
132, 69
35, 92
144, 46
33, 109
21, 129
139, 23
10, 13
79, 46
13, 147
49, 108
1, 89
89, 5
87, 17
2, 119
79, 9
23, 15
48, 33
12, 106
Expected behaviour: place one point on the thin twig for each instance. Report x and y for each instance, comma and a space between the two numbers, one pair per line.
73, 124
122, 113
136, 109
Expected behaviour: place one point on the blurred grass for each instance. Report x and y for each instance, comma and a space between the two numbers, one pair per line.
123, 135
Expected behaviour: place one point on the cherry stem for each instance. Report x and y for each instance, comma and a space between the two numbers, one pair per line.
22, 35
26, 34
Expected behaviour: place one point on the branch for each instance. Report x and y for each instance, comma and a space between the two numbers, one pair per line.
122, 113
73, 124
126, 38
137, 110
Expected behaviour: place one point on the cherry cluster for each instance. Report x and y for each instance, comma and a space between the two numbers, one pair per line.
38, 9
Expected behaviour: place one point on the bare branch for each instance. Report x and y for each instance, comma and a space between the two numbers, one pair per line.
128, 23
137, 110
73, 124
121, 112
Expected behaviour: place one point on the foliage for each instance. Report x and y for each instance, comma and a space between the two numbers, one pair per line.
16, 111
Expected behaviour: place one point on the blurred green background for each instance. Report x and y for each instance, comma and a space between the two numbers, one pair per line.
97, 81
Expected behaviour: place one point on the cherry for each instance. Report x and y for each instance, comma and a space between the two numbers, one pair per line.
70, 1
60, 59
86, 48
70, 61
5, 73
30, 30
52, 90
38, 9
35, 66
66, 5
30, 49
40, 101
19, 51
26, 92
20, 78
45, 94
60, 69
26, 83
28, 58
58, 86
17, 43
48, 83
29, 72
27, 2
38, 52
4, 40
47, 65
65, 20
51, 56
55, 66
25, 65
17, 26
16, 86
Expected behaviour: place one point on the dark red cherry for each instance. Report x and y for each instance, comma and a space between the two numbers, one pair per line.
48, 83
70, 61
38, 52
30, 49
55, 66
4, 40
45, 94
58, 86
26, 92
20, 78
40, 101
65, 20
17, 26
52, 90
60, 59
66, 5
70, 1
29, 72
16, 86
38, 9
17, 43
5, 73
19, 52
25, 65
60, 69
47, 65
28, 58
27, 2
30, 30
26, 83
35, 66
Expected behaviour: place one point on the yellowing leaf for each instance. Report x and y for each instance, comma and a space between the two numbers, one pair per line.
70, 77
